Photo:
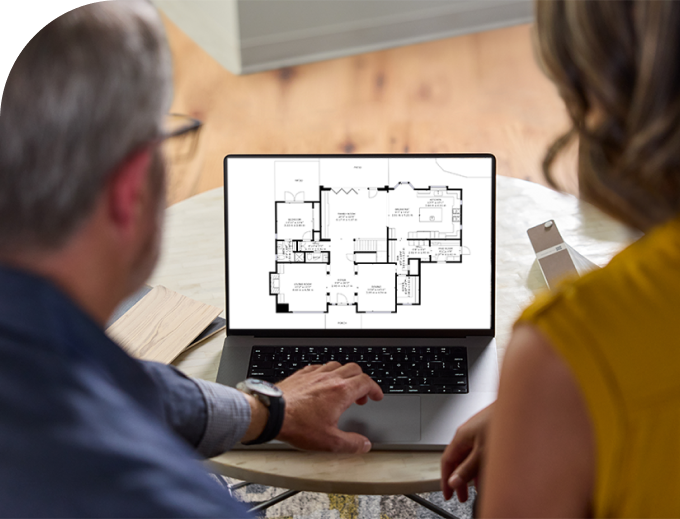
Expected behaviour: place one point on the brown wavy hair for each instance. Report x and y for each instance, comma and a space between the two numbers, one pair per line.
616, 65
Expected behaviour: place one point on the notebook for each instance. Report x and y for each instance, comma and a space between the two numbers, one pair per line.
383, 260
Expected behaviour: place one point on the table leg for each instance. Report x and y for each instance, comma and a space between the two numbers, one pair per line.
274, 500
236, 486
430, 506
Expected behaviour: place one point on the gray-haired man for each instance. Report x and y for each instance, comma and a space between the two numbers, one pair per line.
85, 430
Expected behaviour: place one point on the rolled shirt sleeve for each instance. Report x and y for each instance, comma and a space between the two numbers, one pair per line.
228, 417
211, 417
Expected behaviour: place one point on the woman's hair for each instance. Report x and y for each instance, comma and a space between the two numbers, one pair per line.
616, 65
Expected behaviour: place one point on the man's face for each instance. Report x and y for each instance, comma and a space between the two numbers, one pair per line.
151, 225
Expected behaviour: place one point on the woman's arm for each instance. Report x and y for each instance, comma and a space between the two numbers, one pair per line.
541, 455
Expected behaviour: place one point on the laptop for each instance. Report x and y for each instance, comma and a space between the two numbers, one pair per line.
383, 260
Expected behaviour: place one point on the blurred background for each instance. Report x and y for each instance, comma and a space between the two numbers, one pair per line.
360, 76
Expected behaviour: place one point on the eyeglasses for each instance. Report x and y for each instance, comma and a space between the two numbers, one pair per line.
179, 139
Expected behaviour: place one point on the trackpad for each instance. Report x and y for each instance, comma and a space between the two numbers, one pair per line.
395, 419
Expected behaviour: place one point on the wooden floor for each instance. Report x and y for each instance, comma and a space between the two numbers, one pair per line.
476, 93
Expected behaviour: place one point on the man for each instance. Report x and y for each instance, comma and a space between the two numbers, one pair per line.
85, 429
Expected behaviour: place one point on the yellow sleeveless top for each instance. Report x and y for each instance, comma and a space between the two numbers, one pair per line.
618, 329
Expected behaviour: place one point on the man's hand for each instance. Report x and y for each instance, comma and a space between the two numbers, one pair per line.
315, 397
463, 456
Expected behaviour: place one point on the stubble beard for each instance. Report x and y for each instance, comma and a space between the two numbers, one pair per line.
144, 263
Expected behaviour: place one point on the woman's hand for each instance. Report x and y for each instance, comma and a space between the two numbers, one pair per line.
462, 458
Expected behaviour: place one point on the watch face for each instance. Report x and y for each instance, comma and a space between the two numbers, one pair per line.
263, 387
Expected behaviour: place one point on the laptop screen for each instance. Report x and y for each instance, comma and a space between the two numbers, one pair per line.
360, 245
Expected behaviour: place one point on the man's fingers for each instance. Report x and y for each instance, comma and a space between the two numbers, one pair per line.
330, 366
315, 399
364, 386
350, 443
358, 384
309, 368
351, 369
374, 392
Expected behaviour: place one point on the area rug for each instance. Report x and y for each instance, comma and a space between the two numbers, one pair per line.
312, 505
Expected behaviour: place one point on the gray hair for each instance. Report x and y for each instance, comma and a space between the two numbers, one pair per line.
90, 88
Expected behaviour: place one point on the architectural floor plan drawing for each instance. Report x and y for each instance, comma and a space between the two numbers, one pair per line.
349, 250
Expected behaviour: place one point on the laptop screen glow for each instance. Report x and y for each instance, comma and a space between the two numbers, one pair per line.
360, 242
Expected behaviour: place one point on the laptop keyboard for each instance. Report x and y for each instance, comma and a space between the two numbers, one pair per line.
413, 370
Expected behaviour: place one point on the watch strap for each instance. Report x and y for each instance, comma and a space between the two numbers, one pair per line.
277, 408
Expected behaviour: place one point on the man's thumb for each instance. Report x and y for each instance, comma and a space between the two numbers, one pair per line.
352, 443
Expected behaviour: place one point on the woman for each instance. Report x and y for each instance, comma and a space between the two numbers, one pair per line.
587, 420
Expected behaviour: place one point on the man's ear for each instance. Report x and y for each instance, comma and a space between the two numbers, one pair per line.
126, 188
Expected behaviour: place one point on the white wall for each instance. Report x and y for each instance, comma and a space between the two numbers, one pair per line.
253, 35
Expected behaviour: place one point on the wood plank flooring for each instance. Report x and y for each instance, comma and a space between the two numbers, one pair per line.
476, 93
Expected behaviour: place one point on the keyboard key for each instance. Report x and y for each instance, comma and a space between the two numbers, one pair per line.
261, 373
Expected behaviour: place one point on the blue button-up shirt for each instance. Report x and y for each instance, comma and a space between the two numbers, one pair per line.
86, 430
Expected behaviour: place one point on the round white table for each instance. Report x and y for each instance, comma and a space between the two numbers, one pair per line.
192, 263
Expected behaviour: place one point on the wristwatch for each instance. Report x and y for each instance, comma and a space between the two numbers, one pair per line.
272, 397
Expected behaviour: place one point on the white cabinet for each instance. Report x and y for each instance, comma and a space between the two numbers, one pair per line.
253, 35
